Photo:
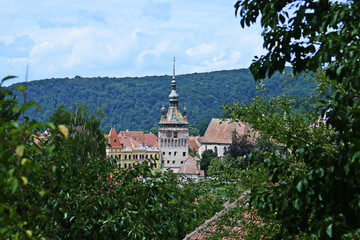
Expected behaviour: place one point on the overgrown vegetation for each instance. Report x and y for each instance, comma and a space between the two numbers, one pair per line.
309, 187
60, 185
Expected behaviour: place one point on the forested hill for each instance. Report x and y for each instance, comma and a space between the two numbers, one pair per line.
135, 103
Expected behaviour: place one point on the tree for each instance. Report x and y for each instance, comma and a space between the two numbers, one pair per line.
314, 189
307, 34
240, 146
206, 158
85, 138
154, 130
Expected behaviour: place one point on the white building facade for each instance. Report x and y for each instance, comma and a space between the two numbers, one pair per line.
173, 132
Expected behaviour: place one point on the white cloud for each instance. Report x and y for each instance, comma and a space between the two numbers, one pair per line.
123, 38
200, 50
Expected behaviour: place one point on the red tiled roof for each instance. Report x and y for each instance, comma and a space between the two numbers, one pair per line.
194, 143
210, 226
151, 139
113, 139
220, 131
129, 142
148, 139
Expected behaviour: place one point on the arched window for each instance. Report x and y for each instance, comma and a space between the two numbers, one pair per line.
215, 150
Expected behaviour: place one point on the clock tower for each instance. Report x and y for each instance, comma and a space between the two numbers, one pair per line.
173, 132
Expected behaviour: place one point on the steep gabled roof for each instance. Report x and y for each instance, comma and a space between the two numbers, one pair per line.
113, 139
220, 131
191, 167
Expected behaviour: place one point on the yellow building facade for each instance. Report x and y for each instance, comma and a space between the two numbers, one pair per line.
132, 148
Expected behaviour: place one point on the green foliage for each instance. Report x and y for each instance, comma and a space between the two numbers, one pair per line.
307, 34
215, 167
135, 103
315, 184
240, 147
206, 158
265, 144
154, 130
192, 152
85, 139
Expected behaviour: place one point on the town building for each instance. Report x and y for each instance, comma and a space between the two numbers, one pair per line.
173, 132
174, 138
218, 135
132, 147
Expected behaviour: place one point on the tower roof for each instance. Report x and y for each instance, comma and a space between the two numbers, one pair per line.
173, 96
174, 114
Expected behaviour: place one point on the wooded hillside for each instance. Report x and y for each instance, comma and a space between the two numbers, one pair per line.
135, 103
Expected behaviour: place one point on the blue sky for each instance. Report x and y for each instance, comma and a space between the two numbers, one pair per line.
119, 38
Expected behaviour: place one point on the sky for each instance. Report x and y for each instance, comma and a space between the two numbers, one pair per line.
118, 38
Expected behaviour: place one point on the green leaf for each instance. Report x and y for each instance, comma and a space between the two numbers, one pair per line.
299, 186
7, 78
329, 230
20, 151
21, 88
14, 185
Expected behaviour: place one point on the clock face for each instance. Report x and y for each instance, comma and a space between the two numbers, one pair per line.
168, 134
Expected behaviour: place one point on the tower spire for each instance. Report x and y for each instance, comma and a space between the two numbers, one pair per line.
174, 97
174, 69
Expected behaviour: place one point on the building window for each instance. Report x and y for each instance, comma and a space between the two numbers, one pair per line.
163, 153
174, 153
125, 156
175, 134
162, 161
151, 156
184, 154
182, 162
173, 162
169, 153
215, 149
168, 161
125, 165
146, 156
